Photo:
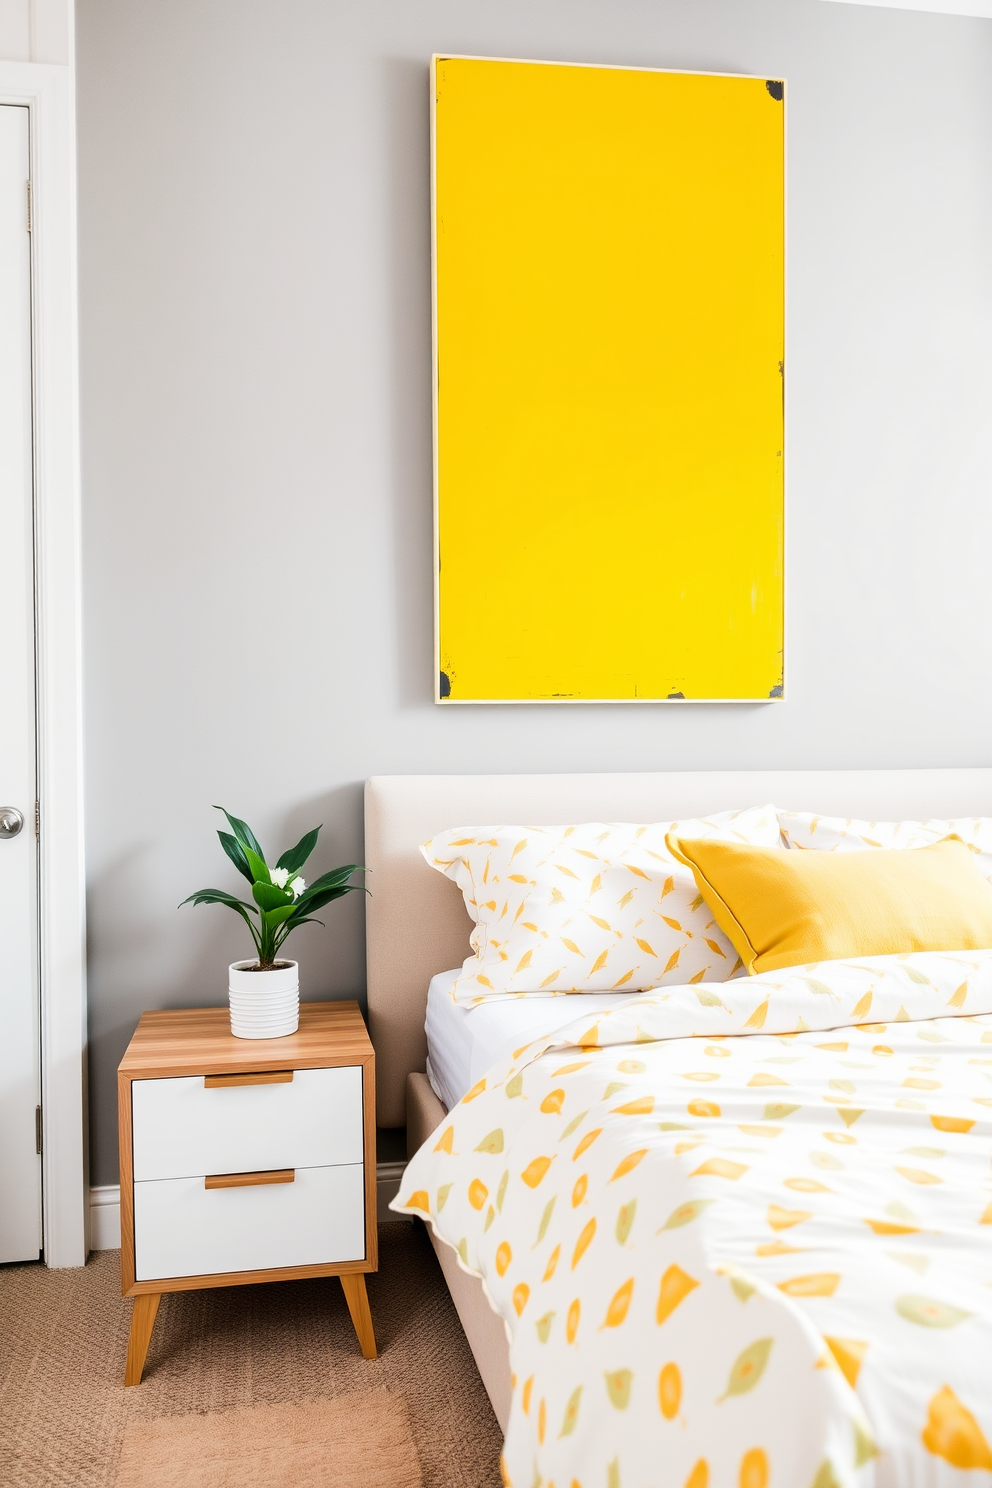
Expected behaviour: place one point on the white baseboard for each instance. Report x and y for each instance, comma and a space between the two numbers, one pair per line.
105, 1206
105, 1217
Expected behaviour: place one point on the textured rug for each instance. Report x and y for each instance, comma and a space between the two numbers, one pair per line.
63, 1337
358, 1439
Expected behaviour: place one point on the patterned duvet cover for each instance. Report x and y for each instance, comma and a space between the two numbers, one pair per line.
740, 1234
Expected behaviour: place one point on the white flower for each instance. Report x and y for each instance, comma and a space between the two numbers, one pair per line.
279, 876
297, 886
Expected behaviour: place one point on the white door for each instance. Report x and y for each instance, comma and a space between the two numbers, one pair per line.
20, 1041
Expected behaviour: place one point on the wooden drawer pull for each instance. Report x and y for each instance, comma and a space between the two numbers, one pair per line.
249, 1180
253, 1077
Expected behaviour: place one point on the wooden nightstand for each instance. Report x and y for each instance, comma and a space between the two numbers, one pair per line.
246, 1160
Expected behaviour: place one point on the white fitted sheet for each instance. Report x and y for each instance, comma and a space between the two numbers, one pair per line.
463, 1042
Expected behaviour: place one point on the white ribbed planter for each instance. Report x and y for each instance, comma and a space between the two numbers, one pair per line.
264, 1004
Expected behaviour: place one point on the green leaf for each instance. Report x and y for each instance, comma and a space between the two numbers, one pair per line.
258, 866
493, 1142
236, 854
273, 917
549, 1209
685, 1214
625, 1220
571, 1409
864, 1444
294, 859
618, 1388
316, 899
748, 1367
337, 876
308, 902
928, 1312
242, 832
743, 1286
819, 987
576, 1121
328, 887
826, 1477
267, 896
544, 1328
218, 896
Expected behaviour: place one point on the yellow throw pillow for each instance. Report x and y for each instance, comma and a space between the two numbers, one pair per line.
789, 908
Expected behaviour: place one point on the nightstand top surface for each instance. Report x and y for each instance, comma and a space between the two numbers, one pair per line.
194, 1041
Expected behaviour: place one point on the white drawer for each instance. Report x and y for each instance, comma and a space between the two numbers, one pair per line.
183, 1128
182, 1228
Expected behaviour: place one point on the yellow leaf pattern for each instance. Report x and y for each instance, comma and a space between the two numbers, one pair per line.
572, 1323
583, 1243
689, 1256
620, 1302
670, 1391
953, 1433
837, 834
849, 1354
629, 1163
543, 882
754, 1469
535, 1171
675, 1287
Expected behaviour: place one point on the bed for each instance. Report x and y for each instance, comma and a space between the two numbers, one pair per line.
418, 930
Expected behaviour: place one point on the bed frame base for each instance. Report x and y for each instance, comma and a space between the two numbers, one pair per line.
483, 1328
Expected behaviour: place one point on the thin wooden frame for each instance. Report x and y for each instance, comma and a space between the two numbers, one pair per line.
778, 692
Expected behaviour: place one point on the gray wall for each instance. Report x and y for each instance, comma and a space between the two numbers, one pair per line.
256, 436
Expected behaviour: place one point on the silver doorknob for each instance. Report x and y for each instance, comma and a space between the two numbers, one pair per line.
11, 821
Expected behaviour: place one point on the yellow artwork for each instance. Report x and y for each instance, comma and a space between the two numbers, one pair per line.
609, 328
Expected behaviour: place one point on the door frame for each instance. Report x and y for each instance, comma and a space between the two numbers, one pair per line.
48, 92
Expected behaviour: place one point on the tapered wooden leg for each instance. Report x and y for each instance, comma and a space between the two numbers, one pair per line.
358, 1305
142, 1322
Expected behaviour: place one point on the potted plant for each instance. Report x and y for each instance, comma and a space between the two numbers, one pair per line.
265, 993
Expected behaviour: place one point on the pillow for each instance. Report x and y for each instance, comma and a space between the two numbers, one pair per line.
804, 829
792, 908
600, 907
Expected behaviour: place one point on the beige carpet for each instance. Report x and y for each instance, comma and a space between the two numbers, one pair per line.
320, 1444
66, 1415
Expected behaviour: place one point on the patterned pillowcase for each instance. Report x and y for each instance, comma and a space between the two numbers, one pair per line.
602, 907
803, 829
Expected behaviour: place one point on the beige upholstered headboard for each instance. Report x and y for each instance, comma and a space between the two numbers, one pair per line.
417, 924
